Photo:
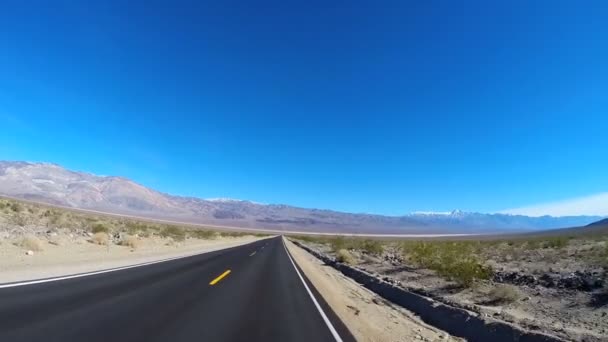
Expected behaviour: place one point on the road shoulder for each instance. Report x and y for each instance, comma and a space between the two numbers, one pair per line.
367, 316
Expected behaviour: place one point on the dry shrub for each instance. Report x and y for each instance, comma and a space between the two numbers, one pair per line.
100, 239
345, 257
100, 228
203, 234
31, 243
16, 207
130, 241
19, 219
174, 232
504, 294
372, 246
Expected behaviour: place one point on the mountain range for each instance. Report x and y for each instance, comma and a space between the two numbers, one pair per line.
53, 184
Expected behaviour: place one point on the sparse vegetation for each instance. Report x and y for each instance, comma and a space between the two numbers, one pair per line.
514, 274
16, 207
18, 219
503, 294
232, 234
100, 228
556, 242
40, 216
338, 243
100, 238
454, 260
203, 234
31, 243
345, 257
174, 232
372, 247
130, 241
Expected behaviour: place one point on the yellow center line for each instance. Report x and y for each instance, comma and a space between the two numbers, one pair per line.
221, 276
252, 254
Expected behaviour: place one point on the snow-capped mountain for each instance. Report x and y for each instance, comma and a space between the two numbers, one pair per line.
458, 218
51, 183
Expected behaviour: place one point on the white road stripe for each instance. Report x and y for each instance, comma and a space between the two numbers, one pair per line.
327, 322
86, 274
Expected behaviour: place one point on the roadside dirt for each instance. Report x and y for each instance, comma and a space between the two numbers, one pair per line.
69, 254
368, 316
561, 306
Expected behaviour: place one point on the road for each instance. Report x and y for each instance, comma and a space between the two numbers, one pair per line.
247, 293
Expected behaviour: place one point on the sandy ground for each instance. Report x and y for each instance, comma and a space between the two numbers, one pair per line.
368, 316
77, 255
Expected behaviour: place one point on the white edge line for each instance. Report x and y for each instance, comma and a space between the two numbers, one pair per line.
86, 274
325, 318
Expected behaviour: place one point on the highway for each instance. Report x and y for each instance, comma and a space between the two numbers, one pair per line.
253, 292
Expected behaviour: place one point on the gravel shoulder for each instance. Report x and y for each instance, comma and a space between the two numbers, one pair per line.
368, 316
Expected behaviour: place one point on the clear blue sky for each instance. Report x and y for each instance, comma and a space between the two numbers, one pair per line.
382, 107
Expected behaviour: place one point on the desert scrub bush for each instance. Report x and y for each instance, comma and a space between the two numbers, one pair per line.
337, 243
202, 234
134, 227
601, 257
130, 241
54, 218
453, 260
308, 238
16, 207
100, 238
100, 228
173, 232
233, 234
503, 294
466, 272
425, 254
345, 257
532, 244
372, 246
18, 219
145, 234
31, 242
556, 242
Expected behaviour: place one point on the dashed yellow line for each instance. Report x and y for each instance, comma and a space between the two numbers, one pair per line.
252, 254
220, 277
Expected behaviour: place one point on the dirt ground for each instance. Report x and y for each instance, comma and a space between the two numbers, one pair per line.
552, 290
77, 254
38, 241
368, 316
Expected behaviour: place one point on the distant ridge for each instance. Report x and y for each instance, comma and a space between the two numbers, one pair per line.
51, 183
603, 222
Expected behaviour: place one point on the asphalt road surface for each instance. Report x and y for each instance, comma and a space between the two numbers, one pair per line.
247, 293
